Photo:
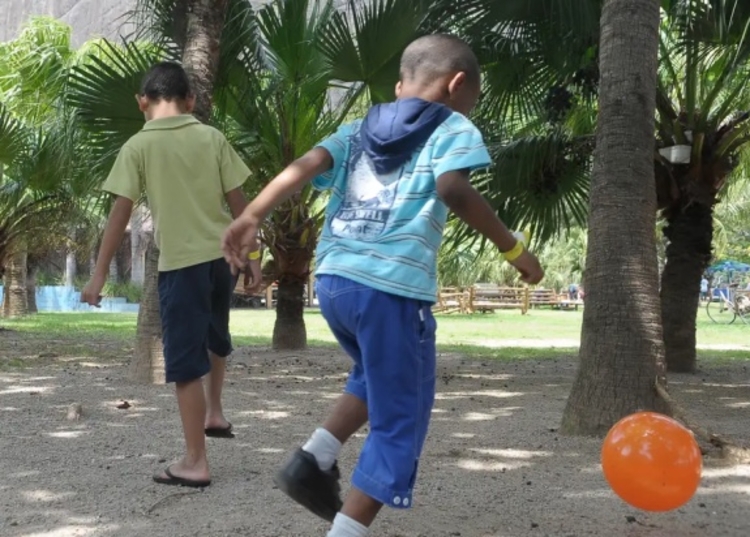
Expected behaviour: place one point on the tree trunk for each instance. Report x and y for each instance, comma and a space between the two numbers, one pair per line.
31, 272
17, 303
688, 255
71, 268
622, 350
204, 24
71, 260
289, 332
292, 245
137, 247
114, 270
92, 258
147, 366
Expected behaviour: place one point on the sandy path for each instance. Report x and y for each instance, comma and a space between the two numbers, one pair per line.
494, 465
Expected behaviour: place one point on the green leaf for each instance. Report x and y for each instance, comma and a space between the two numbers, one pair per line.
357, 49
102, 89
14, 138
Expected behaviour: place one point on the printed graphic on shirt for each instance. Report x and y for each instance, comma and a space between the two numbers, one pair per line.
368, 201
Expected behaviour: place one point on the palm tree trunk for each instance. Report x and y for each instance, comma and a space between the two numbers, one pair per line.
204, 24
621, 340
114, 270
17, 303
147, 365
689, 233
71, 268
289, 331
137, 247
71, 261
293, 243
32, 269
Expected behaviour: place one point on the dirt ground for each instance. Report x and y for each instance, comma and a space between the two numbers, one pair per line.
494, 465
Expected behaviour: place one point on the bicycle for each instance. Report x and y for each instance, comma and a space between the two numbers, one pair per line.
729, 306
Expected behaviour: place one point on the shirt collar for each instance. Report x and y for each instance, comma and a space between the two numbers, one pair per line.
168, 123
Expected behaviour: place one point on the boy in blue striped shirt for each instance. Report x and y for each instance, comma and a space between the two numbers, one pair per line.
393, 177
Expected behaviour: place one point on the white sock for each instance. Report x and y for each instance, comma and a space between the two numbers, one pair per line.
343, 526
325, 447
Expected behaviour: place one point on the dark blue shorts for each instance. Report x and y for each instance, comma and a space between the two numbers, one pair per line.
391, 340
194, 306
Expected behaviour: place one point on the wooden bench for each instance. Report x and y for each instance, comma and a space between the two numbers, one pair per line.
486, 297
451, 300
543, 297
564, 302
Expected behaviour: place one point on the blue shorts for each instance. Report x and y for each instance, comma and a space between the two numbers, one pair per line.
194, 308
391, 340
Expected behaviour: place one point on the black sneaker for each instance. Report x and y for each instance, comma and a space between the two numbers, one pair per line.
303, 481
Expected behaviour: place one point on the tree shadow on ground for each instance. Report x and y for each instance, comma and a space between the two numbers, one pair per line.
494, 465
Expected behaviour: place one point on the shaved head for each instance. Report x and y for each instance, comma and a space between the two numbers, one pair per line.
434, 56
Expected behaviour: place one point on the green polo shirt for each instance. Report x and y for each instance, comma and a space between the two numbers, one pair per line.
185, 168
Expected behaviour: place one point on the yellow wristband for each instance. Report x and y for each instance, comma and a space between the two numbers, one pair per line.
514, 253
252, 256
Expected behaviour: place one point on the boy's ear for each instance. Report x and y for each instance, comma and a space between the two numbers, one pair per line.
142, 103
398, 89
455, 83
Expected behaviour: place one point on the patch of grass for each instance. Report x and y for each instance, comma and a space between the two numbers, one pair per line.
8, 364
83, 326
474, 336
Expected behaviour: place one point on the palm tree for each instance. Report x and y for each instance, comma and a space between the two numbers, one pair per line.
621, 343
545, 91
307, 56
702, 104
39, 187
288, 76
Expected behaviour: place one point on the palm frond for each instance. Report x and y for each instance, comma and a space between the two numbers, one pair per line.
357, 51
14, 137
102, 88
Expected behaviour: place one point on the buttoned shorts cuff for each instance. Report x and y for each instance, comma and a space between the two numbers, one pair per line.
397, 499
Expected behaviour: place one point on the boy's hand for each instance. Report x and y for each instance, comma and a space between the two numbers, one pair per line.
240, 238
92, 293
528, 265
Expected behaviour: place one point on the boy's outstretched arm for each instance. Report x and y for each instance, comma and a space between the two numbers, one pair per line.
118, 220
463, 199
237, 203
241, 235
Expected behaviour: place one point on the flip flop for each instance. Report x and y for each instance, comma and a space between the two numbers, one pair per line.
220, 432
178, 481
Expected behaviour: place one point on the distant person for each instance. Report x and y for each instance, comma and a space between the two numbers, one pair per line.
573, 291
188, 171
704, 289
376, 272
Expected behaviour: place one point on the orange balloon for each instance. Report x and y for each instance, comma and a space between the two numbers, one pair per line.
652, 462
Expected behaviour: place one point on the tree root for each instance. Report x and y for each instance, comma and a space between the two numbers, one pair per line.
728, 450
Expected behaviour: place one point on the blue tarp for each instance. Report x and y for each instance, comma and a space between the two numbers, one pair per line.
729, 266
67, 299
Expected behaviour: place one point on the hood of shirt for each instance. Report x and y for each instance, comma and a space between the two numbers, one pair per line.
391, 132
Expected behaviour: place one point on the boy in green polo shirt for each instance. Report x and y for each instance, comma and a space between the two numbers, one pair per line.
188, 171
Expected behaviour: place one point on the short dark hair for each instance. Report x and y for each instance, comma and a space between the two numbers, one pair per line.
438, 55
166, 81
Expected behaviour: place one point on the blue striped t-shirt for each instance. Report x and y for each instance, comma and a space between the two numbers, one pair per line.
384, 231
